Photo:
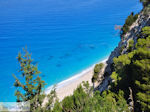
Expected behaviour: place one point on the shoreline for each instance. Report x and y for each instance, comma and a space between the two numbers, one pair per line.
66, 87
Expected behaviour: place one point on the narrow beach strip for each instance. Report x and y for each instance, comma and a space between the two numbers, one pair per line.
66, 87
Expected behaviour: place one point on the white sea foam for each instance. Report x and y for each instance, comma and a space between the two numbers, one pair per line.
73, 78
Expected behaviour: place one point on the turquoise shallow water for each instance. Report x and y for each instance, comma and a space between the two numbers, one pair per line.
65, 37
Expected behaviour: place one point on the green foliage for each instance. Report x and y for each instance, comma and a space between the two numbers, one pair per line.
146, 6
114, 102
57, 107
78, 101
131, 45
129, 21
83, 101
52, 102
133, 70
122, 47
145, 2
97, 70
115, 78
146, 31
29, 88
98, 67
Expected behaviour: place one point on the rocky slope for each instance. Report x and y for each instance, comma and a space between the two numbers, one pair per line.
135, 29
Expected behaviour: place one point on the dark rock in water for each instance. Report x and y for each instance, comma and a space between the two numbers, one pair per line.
35, 62
58, 65
67, 54
81, 58
92, 46
50, 57
43, 75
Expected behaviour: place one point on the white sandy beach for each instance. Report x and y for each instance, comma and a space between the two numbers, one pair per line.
66, 88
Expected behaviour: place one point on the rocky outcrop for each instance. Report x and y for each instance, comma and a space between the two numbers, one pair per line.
135, 29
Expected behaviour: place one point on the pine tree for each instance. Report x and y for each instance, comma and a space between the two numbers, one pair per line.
29, 85
133, 70
145, 2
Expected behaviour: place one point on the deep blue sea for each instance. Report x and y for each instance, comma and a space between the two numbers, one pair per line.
64, 36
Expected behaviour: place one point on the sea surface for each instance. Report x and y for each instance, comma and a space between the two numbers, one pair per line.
64, 36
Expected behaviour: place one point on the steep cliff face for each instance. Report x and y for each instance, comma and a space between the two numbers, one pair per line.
133, 33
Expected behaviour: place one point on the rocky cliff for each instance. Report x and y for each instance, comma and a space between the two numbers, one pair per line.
133, 33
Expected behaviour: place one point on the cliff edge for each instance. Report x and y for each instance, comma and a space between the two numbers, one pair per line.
133, 34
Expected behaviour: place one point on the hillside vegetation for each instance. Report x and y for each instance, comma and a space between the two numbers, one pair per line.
129, 89
131, 72
129, 21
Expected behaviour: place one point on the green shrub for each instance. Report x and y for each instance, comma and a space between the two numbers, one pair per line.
97, 69
133, 70
122, 47
131, 45
145, 2
82, 101
129, 21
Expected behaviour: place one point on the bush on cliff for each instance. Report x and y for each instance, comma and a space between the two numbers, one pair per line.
129, 21
97, 70
145, 2
133, 70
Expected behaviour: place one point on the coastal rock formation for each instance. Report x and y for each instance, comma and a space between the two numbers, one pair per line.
134, 30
